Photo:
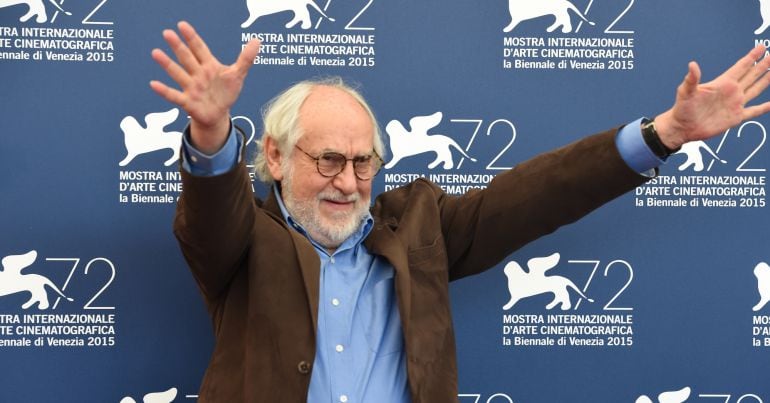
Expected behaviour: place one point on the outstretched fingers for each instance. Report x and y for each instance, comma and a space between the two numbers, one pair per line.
181, 51
757, 70
743, 66
758, 80
198, 48
751, 112
169, 94
174, 70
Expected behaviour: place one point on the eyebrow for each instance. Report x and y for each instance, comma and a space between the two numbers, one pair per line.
328, 150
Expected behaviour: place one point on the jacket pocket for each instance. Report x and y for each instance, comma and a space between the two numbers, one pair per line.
431, 257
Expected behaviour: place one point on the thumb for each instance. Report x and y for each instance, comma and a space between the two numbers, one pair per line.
247, 56
691, 80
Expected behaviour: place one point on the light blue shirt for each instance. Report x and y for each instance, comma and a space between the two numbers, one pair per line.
360, 354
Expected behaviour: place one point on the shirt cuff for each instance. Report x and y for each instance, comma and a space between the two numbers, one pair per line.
199, 163
634, 151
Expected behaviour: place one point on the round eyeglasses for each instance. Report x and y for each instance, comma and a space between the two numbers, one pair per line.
330, 164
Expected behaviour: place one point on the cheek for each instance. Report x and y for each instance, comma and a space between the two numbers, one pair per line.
365, 189
307, 185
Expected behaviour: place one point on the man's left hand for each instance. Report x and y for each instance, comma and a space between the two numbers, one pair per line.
705, 110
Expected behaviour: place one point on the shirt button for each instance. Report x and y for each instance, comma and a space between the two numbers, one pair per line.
193, 158
339, 348
331, 259
343, 398
303, 367
335, 302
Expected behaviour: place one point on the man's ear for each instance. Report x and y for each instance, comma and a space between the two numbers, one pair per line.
274, 158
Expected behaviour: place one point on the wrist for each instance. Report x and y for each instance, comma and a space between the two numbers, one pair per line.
668, 132
209, 139
653, 140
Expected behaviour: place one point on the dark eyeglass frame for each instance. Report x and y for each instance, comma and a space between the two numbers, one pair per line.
373, 165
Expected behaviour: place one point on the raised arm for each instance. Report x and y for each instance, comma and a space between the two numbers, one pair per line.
207, 87
705, 110
213, 231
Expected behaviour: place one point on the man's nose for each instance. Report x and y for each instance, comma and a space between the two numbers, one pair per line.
345, 181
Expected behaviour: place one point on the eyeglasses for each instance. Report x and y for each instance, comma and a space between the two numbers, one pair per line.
330, 164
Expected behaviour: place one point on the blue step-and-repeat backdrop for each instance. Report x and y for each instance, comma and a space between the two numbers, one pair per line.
660, 296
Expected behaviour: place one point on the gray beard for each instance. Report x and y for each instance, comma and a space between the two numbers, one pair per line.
305, 212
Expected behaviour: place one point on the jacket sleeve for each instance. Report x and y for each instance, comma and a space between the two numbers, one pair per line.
531, 200
213, 224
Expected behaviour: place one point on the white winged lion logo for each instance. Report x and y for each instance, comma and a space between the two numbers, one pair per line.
522, 10
762, 272
676, 396
167, 396
142, 140
12, 281
36, 9
764, 11
522, 284
695, 157
405, 143
258, 8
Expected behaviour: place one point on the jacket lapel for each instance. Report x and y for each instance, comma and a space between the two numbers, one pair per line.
383, 241
307, 257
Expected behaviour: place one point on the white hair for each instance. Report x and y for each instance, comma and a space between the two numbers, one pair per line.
280, 118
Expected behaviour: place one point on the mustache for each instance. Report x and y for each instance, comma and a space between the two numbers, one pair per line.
338, 197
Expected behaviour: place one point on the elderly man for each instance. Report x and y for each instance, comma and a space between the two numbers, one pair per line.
316, 296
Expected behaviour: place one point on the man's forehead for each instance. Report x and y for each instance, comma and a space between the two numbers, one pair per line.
324, 97
330, 115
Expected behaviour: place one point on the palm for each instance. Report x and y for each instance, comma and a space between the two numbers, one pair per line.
713, 108
212, 92
704, 110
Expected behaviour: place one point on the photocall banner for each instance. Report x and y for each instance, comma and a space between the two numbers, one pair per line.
660, 296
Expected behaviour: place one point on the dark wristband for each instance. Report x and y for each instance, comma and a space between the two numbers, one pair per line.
652, 139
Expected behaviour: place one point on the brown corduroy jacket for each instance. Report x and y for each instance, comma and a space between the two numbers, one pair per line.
260, 278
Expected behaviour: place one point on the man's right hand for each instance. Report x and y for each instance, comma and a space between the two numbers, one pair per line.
208, 88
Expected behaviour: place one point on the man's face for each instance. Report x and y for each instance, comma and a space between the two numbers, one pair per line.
330, 209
